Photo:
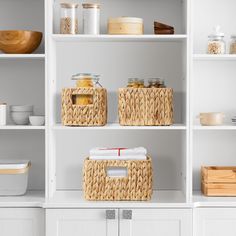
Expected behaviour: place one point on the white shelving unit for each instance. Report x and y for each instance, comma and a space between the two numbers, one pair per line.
201, 83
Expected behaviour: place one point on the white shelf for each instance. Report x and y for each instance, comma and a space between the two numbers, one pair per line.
207, 57
223, 127
115, 126
200, 200
22, 56
22, 127
75, 199
30, 199
119, 38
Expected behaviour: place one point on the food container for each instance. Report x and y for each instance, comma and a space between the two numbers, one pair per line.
85, 80
91, 18
233, 44
211, 119
146, 106
98, 185
216, 43
135, 83
14, 177
20, 114
3, 113
69, 18
125, 26
218, 181
156, 83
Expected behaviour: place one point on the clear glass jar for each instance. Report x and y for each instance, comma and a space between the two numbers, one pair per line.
216, 43
153, 83
85, 80
91, 18
135, 83
69, 18
233, 44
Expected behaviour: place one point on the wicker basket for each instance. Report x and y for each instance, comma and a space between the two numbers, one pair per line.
146, 106
136, 186
84, 115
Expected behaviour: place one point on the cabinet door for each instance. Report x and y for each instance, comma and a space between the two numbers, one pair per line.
153, 222
214, 222
22, 222
84, 222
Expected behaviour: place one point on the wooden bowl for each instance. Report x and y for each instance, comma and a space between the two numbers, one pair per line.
19, 41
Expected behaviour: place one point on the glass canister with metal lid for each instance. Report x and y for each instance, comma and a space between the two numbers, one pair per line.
85, 80
135, 83
156, 83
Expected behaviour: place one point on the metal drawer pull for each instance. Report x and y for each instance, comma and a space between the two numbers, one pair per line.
110, 214
127, 214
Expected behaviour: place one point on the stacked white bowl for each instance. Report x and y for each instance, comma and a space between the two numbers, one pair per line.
20, 114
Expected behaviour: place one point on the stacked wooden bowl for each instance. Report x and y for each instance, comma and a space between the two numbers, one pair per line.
160, 28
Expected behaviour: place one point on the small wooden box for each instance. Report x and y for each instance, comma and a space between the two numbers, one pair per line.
125, 26
218, 181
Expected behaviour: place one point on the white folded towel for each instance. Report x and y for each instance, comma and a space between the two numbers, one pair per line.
139, 151
123, 158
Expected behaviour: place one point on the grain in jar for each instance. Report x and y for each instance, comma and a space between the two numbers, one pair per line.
85, 80
216, 43
69, 18
233, 44
91, 18
135, 83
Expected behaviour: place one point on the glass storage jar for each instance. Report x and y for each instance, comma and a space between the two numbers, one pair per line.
69, 18
153, 83
135, 83
85, 80
91, 18
216, 43
233, 44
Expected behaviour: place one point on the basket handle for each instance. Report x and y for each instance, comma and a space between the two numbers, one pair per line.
117, 171
81, 96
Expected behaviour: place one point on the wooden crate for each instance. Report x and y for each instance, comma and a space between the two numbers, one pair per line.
218, 181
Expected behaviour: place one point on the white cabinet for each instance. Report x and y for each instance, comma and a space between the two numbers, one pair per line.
153, 222
21, 222
215, 221
135, 222
84, 222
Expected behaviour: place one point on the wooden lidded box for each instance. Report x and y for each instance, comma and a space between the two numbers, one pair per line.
125, 26
93, 114
218, 181
146, 106
136, 186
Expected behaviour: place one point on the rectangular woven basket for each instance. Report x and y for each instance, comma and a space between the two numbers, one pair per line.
146, 106
137, 186
84, 115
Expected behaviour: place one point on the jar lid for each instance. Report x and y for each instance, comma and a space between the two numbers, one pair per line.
69, 5
124, 19
91, 5
85, 76
154, 80
216, 33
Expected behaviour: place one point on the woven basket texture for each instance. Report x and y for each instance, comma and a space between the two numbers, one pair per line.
146, 106
84, 115
137, 186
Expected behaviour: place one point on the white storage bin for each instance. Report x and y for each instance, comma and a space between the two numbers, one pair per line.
13, 177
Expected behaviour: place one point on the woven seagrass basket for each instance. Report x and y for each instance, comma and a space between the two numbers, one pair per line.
94, 114
146, 106
137, 186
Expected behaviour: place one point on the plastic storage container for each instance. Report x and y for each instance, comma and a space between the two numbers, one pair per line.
69, 19
91, 18
14, 177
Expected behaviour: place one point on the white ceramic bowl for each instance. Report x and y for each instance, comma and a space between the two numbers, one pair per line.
211, 118
21, 108
21, 118
37, 120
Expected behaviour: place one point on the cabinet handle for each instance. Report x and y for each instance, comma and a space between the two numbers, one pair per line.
127, 214
110, 214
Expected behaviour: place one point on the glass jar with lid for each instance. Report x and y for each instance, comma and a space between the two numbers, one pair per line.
85, 80
216, 43
233, 44
153, 83
91, 18
135, 83
69, 18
